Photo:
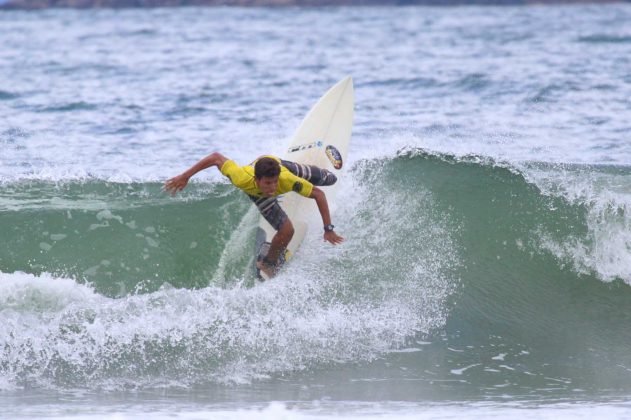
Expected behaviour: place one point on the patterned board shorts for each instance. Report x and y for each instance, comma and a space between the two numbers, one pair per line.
269, 207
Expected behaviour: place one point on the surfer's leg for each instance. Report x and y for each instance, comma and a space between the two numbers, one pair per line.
277, 218
317, 176
280, 241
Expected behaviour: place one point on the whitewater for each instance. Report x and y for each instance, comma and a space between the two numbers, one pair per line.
486, 270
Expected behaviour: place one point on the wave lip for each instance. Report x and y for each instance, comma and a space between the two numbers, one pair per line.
44, 295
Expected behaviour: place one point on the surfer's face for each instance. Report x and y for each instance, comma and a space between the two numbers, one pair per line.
267, 185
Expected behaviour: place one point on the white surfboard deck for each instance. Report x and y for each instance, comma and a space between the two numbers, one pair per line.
326, 128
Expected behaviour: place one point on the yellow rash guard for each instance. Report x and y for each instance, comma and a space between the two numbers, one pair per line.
243, 178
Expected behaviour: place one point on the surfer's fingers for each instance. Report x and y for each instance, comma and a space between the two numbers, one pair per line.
335, 240
169, 187
175, 184
172, 187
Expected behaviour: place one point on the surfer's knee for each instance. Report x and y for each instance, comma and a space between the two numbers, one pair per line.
287, 229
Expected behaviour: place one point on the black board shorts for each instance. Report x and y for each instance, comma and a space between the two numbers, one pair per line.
269, 207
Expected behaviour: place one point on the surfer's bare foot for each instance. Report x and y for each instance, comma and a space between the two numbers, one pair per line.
269, 269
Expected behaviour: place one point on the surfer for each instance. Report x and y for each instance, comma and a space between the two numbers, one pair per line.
263, 180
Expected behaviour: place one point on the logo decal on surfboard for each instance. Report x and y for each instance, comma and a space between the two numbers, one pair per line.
334, 156
305, 146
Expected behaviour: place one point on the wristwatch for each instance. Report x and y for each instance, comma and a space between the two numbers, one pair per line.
329, 228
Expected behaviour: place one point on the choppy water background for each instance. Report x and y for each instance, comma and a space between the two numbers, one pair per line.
487, 265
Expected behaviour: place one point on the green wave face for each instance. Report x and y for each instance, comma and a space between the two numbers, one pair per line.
118, 237
543, 275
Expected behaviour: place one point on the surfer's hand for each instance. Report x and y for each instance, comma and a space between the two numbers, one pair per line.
333, 238
176, 184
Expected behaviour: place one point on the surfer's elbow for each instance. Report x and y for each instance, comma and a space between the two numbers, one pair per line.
216, 159
316, 194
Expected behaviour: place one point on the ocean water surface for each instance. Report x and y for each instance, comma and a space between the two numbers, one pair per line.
486, 206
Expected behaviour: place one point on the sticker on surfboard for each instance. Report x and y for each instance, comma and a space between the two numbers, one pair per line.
305, 146
334, 156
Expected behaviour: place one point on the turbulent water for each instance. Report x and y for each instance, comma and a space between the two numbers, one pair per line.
487, 264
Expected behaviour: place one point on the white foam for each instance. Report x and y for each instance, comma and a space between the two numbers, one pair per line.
50, 323
350, 410
43, 294
464, 369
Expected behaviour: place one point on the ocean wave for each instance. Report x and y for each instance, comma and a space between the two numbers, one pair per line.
578, 213
117, 284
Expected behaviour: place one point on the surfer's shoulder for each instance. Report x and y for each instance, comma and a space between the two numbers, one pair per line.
238, 175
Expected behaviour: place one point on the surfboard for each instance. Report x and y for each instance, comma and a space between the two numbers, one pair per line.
322, 139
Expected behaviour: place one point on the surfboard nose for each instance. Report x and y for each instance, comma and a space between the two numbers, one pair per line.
347, 80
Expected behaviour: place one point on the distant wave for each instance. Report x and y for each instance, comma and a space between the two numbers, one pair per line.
74, 106
4, 95
605, 39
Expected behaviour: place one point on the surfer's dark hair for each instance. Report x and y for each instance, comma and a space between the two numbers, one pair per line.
266, 167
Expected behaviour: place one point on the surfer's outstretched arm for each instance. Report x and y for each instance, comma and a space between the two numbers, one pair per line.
178, 183
330, 236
